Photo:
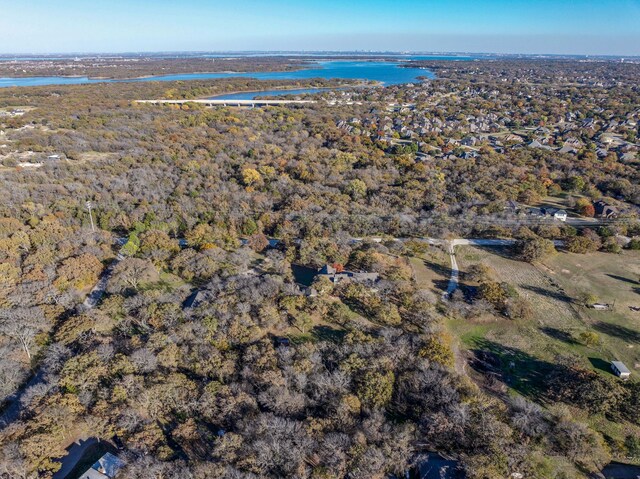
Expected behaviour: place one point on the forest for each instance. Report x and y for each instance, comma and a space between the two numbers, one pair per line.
260, 377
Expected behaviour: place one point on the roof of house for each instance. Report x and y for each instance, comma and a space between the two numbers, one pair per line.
328, 269
437, 467
93, 474
105, 468
619, 365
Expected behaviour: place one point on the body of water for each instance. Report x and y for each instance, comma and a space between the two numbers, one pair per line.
252, 95
387, 73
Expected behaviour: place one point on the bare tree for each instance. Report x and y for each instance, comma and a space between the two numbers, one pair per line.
23, 325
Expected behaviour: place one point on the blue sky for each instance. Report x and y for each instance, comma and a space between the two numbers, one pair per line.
501, 26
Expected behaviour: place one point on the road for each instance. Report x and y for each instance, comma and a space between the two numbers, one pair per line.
98, 290
455, 272
451, 249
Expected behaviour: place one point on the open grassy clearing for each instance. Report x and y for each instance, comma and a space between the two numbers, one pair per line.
553, 312
528, 350
612, 279
554, 289
432, 269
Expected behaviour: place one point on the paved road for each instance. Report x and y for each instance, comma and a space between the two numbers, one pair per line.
98, 290
455, 272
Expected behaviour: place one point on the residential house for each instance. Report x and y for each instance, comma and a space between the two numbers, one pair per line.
436, 466
537, 144
557, 214
106, 467
336, 276
605, 210
560, 215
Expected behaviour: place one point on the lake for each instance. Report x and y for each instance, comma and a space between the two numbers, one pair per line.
385, 72
252, 95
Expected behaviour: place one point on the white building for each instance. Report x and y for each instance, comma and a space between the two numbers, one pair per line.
620, 370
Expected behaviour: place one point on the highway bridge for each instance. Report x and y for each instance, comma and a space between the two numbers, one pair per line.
248, 103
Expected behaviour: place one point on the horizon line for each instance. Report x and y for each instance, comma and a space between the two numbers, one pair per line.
312, 52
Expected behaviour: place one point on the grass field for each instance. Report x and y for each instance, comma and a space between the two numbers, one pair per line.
612, 279
432, 269
528, 349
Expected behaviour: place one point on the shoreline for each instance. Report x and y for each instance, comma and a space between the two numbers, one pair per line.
293, 88
145, 77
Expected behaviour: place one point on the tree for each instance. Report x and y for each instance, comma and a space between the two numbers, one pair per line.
375, 389
258, 242
356, 189
387, 313
585, 208
157, 246
130, 248
493, 292
581, 245
250, 176
519, 308
589, 338
302, 321
438, 348
23, 325
130, 273
478, 272
632, 445
534, 249
634, 244
78, 272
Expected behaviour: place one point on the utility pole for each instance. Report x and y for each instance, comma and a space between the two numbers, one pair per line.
89, 206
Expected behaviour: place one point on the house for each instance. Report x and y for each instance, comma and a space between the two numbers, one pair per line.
572, 145
560, 215
436, 466
106, 467
620, 370
605, 210
537, 144
512, 206
194, 300
336, 276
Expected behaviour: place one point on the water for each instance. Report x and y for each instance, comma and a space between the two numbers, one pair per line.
252, 95
387, 73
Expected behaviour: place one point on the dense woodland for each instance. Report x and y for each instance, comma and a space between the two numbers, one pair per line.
370, 380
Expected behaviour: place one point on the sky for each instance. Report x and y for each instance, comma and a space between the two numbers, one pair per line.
594, 27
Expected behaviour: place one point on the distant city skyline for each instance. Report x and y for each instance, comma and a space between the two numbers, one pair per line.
574, 27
